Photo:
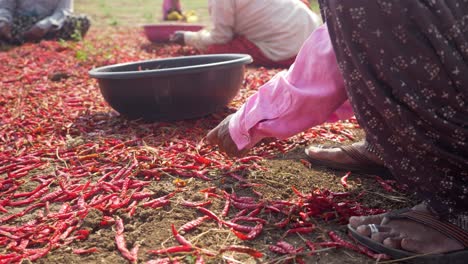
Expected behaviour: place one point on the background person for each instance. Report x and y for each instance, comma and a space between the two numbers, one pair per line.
170, 6
272, 31
32, 20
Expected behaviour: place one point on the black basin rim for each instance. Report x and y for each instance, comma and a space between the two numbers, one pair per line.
236, 60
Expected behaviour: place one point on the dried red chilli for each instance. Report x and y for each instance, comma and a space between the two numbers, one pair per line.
210, 214
193, 224
287, 247
192, 204
199, 259
120, 242
237, 227
278, 250
243, 249
237, 177
344, 180
301, 230
283, 223
250, 206
310, 245
248, 219
255, 232
172, 250
81, 251
227, 206
179, 237
254, 212
384, 184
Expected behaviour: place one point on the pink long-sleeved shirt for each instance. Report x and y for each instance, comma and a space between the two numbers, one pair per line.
310, 93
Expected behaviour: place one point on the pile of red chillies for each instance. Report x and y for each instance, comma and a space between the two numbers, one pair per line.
65, 153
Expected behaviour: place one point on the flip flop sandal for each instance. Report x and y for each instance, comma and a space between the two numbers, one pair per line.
365, 165
449, 230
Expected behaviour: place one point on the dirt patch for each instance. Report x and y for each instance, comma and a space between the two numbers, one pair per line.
151, 227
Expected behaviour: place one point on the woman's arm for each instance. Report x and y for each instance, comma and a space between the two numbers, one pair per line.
222, 16
310, 93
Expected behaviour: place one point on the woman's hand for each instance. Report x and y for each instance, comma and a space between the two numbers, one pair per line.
178, 37
35, 33
5, 31
220, 136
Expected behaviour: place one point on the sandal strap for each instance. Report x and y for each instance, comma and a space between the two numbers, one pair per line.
372, 149
433, 222
358, 155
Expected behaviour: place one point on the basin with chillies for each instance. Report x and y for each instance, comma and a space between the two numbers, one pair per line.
174, 88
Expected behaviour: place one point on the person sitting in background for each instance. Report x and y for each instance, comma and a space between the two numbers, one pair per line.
33, 20
272, 32
172, 10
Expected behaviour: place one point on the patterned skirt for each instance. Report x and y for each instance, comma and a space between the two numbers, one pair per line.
405, 66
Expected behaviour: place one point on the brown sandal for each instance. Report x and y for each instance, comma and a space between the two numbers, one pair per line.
449, 230
363, 165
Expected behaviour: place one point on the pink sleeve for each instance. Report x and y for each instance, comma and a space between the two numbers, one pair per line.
310, 93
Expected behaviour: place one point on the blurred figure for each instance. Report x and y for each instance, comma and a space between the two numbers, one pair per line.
272, 31
33, 20
172, 10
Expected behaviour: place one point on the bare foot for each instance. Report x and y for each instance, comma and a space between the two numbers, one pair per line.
406, 234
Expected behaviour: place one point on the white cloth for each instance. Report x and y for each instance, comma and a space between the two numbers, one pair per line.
277, 27
52, 12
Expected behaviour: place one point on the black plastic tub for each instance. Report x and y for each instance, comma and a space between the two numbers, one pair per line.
174, 88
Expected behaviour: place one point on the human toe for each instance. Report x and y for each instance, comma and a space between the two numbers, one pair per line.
356, 221
392, 242
413, 245
381, 235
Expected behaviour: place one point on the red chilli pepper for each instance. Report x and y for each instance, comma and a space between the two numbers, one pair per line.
302, 230
384, 184
179, 237
120, 242
192, 204
169, 250
210, 214
243, 249
81, 251
193, 224
344, 180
